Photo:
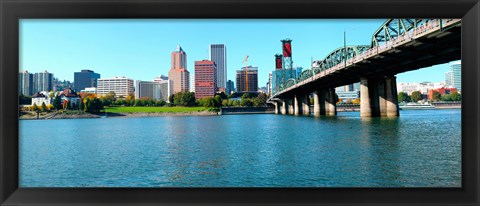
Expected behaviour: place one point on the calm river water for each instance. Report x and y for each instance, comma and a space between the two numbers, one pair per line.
421, 148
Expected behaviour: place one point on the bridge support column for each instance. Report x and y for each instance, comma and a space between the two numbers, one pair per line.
318, 103
378, 97
306, 104
382, 98
330, 102
290, 108
277, 107
297, 100
324, 102
283, 108
391, 96
365, 101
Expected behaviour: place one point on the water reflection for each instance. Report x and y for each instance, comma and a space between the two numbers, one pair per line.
420, 148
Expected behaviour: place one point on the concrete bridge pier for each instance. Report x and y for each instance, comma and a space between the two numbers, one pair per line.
324, 102
378, 97
290, 107
277, 105
306, 104
392, 96
330, 102
283, 107
298, 109
318, 103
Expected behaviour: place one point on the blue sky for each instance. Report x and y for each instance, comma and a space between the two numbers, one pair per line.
141, 49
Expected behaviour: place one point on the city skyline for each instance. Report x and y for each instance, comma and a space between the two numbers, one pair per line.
111, 48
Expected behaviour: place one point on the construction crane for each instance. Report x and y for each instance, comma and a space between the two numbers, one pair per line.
245, 62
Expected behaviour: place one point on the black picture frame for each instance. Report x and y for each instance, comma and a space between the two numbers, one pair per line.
13, 10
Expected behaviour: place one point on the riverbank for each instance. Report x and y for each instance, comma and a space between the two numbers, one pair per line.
57, 115
114, 112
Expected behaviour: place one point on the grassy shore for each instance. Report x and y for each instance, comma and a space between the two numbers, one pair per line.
154, 109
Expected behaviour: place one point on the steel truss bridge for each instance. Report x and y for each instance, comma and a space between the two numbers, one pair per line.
398, 45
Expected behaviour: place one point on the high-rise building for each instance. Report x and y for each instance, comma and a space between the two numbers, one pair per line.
457, 75
122, 86
269, 83
166, 87
230, 87
153, 89
85, 79
449, 79
453, 78
218, 54
178, 73
42, 81
205, 79
25, 83
247, 80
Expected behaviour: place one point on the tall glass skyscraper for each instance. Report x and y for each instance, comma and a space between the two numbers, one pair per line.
454, 76
218, 54
457, 76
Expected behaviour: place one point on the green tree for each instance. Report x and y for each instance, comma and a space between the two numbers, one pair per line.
171, 99
35, 107
222, 95
246, 102
446, 97
403, 97
245, 96
44, 107
88, 105
455, 96
260, 100
160, 103
189, 99
25, 99
82, 105
416, 95
225, 102
57, 103
436, 96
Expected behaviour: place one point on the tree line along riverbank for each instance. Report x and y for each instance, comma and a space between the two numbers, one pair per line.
180, 104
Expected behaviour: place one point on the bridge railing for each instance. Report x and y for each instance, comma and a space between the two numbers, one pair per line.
424, 29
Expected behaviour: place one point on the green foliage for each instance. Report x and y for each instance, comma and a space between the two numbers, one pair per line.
210, 102
44, 107
436, 96
446, 97
81, 106
455, 96
93, 105
57, 103
416, 95
246, 96
153, 109
222, 95
184, 99
260, 100
403, 97
24, 99
246, 103
160, 103
35, 107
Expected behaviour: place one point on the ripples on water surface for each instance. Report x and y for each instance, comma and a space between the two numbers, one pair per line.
419, 149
